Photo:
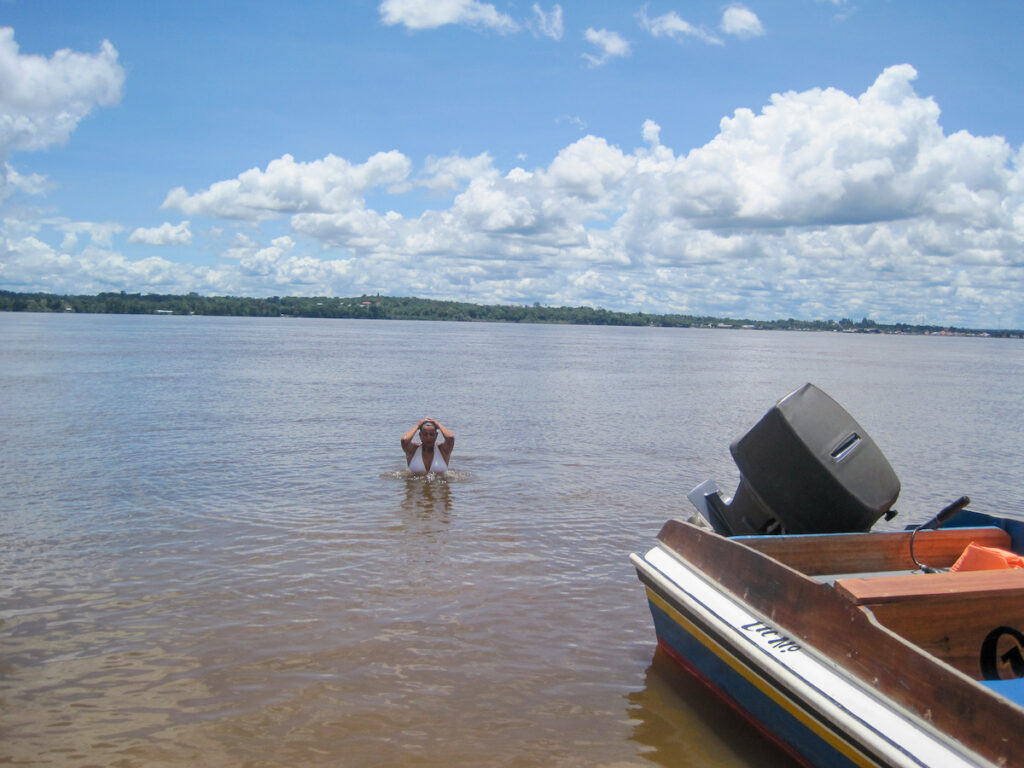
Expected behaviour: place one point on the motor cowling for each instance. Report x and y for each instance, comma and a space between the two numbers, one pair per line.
806, 467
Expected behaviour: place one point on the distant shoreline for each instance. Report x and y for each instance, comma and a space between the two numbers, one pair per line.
410, 308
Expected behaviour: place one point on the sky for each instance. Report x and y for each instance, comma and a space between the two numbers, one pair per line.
813, 159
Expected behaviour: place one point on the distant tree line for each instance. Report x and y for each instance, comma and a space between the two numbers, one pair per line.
398, 308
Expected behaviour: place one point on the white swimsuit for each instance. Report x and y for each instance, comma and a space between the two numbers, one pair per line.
437, 465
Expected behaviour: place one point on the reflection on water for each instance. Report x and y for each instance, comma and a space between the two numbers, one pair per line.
427, 503
429, 496
680, 722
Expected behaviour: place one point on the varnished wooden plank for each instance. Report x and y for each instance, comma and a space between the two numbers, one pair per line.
865, 552
1005, 584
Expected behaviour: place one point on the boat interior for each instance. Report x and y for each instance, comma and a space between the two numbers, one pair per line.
950, 614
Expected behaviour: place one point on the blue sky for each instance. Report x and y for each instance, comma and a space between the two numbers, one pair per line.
799, 158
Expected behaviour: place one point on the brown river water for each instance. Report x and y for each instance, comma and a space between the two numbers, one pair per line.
212, 555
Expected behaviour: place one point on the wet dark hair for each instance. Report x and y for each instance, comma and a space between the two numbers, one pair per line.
431, 423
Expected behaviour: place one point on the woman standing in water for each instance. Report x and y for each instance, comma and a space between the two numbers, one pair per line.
427, 454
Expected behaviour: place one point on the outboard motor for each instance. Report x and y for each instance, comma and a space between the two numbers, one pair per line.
805, 467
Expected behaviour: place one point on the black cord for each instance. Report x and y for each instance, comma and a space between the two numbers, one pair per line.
921, 566
935, 522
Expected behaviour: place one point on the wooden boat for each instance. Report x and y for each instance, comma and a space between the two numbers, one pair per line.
852, 648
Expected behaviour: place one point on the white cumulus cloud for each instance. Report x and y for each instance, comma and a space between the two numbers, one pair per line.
165, 234
11, 181
825, 157
674, 26
742, 22
42, 100
29, 264
549, 23
287, 186
610, 45
799, 208
446, 174
430, 14
100, 233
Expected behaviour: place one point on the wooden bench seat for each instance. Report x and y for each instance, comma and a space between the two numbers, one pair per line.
888, 589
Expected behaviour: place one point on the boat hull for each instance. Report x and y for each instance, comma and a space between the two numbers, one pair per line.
818, 711
701, 655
